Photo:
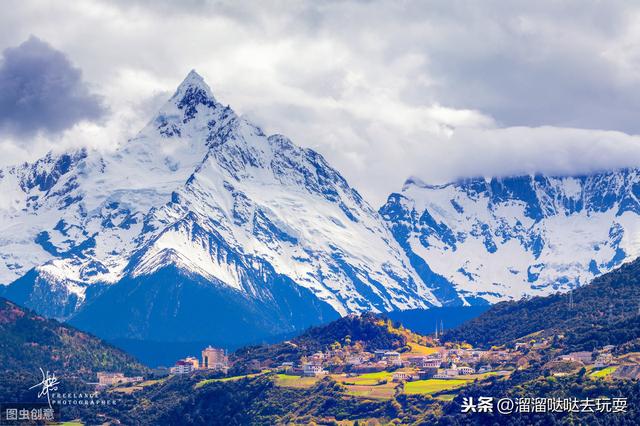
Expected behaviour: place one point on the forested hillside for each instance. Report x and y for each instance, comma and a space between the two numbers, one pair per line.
603, 312
369, 331
29, 342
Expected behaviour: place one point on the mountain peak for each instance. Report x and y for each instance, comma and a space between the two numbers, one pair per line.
192, 84
193, 79
191, 96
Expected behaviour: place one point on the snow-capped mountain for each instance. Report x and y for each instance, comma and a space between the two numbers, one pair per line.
201, 226
199, 199
495, 239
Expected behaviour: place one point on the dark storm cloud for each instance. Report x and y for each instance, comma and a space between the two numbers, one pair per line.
40, 90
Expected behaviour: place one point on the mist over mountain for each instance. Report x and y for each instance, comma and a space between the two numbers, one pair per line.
204, 228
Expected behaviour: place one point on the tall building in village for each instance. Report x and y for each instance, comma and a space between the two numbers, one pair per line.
214, 359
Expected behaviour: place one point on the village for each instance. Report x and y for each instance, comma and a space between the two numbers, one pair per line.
213, 359
420, 368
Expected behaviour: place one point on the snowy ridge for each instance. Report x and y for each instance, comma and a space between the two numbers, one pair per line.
529, 235
203, 205
204, 190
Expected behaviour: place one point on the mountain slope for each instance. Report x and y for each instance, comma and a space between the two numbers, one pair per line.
487, 240
29, 342
170, 305
370, 331
236, 215
607, 311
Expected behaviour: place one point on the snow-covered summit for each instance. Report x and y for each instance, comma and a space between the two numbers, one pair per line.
193, 81
503, 238
203, 190
202, 212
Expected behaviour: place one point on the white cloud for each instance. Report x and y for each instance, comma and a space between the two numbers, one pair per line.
548, 150
383, 89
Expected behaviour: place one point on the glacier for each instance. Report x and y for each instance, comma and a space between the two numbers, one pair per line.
520, 236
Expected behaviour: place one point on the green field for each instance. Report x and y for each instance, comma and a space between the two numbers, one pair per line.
433, 385
603, 373
366, 385
288, 381
226, 379
366, 379
369, 385
380, 375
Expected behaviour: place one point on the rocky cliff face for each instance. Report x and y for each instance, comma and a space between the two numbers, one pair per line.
499, 239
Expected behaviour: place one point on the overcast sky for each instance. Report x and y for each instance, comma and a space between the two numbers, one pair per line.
383, 89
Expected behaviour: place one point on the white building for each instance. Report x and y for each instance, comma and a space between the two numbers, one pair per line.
312, 369
393, 358
431, 363
182, 367
110, 379
451, 372
465, 370
404, 376
584, 357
